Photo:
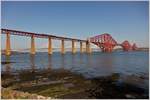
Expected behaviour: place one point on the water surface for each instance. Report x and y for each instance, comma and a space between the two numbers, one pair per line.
89, 65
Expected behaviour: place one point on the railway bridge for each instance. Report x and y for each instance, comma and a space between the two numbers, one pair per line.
104, 41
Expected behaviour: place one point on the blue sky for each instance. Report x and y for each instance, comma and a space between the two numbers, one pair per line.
123, 20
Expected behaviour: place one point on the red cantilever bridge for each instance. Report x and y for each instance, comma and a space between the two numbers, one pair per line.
104, 41
107, 43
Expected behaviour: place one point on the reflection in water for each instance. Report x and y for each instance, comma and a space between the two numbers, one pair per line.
88, 58
108, 63
32, 59
96, 64
49, 67
62, 62
72, 61
7, 66
108, 60
81, 58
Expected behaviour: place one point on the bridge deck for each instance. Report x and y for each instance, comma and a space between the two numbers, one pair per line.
29, 34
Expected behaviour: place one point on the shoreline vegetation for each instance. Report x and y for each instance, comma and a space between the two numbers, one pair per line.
63, 84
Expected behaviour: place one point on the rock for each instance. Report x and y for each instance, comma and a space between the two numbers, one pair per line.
6, 62
17, 79
130, 96
13, 94
40, 97
115, 76
87, 82
65, 78
68, 85
38, 77
44, 79
47, 83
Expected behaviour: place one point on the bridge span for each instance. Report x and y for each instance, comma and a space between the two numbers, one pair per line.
9, 32
104, 41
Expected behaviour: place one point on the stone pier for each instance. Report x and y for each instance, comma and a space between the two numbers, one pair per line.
81, 47
73, 47
32, 45
62, 47
8, 47
88, 49
49, 45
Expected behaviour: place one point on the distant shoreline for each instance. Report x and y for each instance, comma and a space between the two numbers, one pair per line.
67, 50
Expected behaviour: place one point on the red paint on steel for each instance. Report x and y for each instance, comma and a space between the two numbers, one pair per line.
134, 47
104, 41
107, 43
126, 46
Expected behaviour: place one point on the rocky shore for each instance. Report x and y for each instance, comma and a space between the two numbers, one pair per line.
13, 94
64, 84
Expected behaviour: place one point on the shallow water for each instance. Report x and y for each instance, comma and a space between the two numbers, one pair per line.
89, 65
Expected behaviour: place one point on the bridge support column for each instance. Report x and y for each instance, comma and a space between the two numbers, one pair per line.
73, 47
62, 47
81, 47
107, 49
88, 49
8, 47
84, 47
111, 49
49, 45
32, 45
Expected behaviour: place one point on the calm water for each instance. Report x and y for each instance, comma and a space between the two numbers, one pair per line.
89, 65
